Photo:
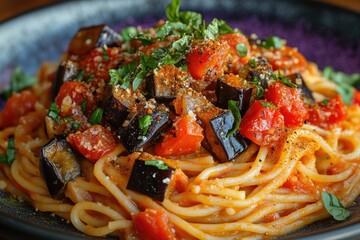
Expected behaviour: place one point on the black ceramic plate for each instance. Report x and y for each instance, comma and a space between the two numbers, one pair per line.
324, 34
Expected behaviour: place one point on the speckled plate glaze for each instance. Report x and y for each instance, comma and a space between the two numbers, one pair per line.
324, 34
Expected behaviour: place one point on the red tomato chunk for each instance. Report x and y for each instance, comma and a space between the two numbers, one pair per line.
18, 105
262, 124
327, 114
185, 137
93, 143
290, 103
153, 224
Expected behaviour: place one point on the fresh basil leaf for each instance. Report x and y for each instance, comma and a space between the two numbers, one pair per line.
145, 39
259, 88
9, 155
212, 30
272, 42
267, 104
75, 126
344, 82
224, 28
252, 63
282, 79
333, 205
128, 33
172, 10
325, 102
233, 107
83, 106
157, 163
190, 18
144, 124
242, 49
105, 55
19, 81
138, 79
80, 76
54, 113
96, 116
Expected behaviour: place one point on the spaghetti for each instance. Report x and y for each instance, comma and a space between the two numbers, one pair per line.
243, 180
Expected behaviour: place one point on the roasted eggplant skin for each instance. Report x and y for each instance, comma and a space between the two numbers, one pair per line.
225, 92
58, 165
149, 180
297, 79
67, 71
230, 146
261, 72
131, 135
92, 37
217, 123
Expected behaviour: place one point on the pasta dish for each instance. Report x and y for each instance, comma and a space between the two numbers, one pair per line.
185, 130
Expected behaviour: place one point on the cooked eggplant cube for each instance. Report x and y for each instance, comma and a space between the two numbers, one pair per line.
300, 83
116, 105
67, 71
150, 180
225, 92
92, 37
134, 136
229, 146
164, 83
261, 72
58, 165
159, 90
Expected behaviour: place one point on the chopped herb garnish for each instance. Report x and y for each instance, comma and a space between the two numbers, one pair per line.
81, 75
144, 124
284, 80
75, 126
272, 42
105, 55
19, 81
267, 104
90, 78
253, 63
334, 206
242, 49
259, 88
68, 119
83, 106
54, 113
128, 33
157, 163
344, 82
325, 102
9, 155
233, 107
96, 116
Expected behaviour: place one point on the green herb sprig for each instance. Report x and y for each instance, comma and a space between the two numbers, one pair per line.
345, 83
19, 81
54, 113
233, 107
334, 206
9, 155
157, 163
144, 124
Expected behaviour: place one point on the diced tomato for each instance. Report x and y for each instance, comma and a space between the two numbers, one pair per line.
93, 143
290, 103
18, 105
300, 184
71, 95
207, 59
234, 39
356, 98
262, 124
184, 137
327, 114
287, 59
271, 217
99, 61
337, 168
153, 224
